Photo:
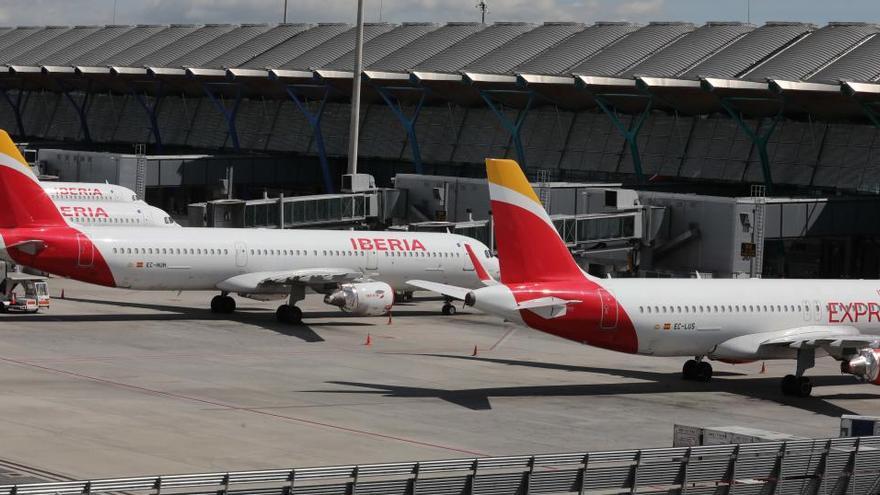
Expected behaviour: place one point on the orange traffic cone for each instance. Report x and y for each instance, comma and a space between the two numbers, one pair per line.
13, 301
62, 293
389, 317
369, 340
475, 351
763, 367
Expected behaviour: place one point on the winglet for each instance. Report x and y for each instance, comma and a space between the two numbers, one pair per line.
482, 274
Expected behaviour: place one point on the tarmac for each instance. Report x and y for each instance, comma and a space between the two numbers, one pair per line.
110, 382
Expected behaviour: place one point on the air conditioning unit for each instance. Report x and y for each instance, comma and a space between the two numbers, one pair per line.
353, 183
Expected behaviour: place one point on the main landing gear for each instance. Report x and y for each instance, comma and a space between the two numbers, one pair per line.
223, 304
798, 385
696, 370
448, 308
290, 313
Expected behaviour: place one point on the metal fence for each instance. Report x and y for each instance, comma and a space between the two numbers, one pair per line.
837, 466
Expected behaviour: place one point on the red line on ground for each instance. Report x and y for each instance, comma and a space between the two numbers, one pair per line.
230, 406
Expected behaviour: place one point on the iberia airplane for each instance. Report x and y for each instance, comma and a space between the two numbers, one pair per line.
733, 320
103, 205
356, 270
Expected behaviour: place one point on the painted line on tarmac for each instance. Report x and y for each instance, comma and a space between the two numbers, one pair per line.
173, 395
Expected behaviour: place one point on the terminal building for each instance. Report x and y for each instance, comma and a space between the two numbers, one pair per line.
647, 141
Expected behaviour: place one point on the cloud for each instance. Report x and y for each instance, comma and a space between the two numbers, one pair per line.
641, 8
30, 12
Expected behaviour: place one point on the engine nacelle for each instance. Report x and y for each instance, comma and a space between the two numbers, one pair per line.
865, 365
363, 299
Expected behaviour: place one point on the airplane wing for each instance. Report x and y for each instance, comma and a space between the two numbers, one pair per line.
832, 339
447, 290
261, 281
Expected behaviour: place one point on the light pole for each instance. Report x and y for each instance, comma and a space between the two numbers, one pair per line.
284, 18
354, 127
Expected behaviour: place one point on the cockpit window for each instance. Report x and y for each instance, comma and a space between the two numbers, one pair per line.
487, 254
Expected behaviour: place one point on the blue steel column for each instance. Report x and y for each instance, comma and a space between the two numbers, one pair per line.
314, 120
512, 127
16, 108
408, 123
79, 107
758, 137
152, 113
228, 114
630, 134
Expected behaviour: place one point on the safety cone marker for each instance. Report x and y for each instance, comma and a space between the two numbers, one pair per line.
389, 317
62, 293
475, 351
369, 340
763, 367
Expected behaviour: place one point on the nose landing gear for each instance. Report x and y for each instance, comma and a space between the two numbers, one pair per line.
696, 370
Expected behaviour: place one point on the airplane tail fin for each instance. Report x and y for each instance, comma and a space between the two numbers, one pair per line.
529, 247
23, 202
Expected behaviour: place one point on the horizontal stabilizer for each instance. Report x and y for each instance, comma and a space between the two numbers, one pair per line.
547, 307
31, 247
447, 290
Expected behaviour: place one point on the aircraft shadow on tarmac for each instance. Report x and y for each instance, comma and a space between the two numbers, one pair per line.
257, 317
765, 388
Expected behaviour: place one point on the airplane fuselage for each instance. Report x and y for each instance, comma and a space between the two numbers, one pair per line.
202, 258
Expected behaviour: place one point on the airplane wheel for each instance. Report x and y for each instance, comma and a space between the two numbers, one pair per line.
217, 304
289, 314
448, 309
704, 371
689, 370
804, 387
228, 305
789, 384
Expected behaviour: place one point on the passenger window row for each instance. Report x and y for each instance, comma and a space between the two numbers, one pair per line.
736, 308
107, 220
175, 251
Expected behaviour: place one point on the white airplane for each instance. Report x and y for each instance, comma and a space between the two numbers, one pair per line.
356, 270
89, 191
103, 205
733, 320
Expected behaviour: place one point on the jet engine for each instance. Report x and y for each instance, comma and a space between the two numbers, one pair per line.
865, 365
363, 299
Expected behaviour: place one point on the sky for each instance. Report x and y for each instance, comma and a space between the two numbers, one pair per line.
67, 12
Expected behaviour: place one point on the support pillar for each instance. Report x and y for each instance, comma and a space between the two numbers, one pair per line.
630, 134
408, 122
314, 120
152, 112
759, 137
229, 114
16, 105
81, 107
513, 127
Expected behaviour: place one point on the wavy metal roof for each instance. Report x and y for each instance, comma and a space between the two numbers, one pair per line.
30, 41
335, 47
524, 47
239, 54
384, 45
860, 63
560, 58
631, 50
745, 52
812, 53
291, 48
425, 47
689, 49
468, 50
101, 53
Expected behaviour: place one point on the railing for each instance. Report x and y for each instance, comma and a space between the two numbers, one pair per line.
836, 466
